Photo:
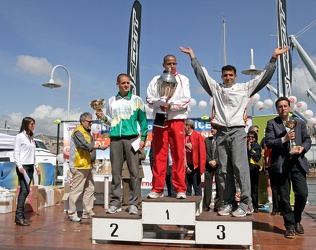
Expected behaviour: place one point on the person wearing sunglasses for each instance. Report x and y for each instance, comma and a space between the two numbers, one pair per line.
81, 156
254, 155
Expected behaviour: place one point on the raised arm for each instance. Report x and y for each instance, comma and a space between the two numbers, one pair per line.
188, 51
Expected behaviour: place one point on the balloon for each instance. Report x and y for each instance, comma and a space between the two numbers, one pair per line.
60, 158
308, 114
311, 122
259, 105
202, 104
255, 98
293, 108
267, 103
95, 128
301, 106
192, 103
292, 99
67, 150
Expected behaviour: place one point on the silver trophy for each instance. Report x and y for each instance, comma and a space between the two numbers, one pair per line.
166, 86
98, 106
291, 124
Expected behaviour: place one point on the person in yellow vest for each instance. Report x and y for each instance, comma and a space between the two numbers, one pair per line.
81, 156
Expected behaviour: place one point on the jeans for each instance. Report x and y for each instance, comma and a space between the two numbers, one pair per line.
24, 189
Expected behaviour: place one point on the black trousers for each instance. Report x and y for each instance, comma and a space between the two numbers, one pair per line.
297, 177
254, 182
24, 190
274, 179
194, 179
208, 183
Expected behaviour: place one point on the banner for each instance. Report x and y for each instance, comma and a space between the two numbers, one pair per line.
133, 48
284, 59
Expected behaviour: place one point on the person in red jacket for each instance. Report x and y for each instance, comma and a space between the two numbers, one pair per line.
195, 153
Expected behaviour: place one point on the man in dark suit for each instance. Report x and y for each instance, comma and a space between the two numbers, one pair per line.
211, 169
289, 164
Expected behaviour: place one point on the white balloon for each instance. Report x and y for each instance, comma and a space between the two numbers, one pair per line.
311, 122
292, 99
202, 104
267, 103
60, 158
293, 108
259, 105
308, 114
301, 106
192, 103
255, 98
95, 128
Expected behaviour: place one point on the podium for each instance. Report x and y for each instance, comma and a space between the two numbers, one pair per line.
171, 220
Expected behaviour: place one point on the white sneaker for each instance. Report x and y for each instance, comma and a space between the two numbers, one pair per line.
226, 210
239, 213
74, 218
87, 216
181, 195
133, 209
114, 209
154, 195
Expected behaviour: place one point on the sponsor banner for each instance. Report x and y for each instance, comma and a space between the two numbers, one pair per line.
283, 41
133, 47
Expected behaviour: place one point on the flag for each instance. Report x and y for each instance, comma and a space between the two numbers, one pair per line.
283, 41
133, 48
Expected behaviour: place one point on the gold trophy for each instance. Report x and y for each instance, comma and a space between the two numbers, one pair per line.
98, 105
291, 124
166, 86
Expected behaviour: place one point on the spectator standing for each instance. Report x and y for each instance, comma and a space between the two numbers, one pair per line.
211, 170
195, 153
254, 156
24, 157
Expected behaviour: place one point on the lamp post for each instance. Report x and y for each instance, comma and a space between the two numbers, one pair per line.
51, 84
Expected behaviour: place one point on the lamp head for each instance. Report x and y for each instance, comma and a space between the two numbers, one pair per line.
51, 84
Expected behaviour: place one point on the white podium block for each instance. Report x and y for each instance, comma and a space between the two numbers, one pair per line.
117, 229
223, 232
167, 213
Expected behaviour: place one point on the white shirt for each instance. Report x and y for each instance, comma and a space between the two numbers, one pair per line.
24, 150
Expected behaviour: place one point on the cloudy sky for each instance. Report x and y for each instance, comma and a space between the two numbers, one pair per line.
89, 37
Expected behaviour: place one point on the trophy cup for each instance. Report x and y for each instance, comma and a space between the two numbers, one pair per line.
291, 124
98, 105
166, 87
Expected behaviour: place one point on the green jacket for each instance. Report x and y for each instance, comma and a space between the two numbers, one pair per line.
126, 115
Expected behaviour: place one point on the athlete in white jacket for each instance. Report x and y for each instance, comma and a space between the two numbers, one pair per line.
171, 133
228, 116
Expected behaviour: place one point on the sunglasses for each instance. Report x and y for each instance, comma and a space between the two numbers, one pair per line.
90, 122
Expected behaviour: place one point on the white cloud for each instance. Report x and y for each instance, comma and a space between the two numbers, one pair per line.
44, 116
37, 66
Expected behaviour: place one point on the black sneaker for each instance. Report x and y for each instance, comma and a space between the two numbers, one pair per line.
289, 233
299, 229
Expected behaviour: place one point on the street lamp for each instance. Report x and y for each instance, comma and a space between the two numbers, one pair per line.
51, 84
